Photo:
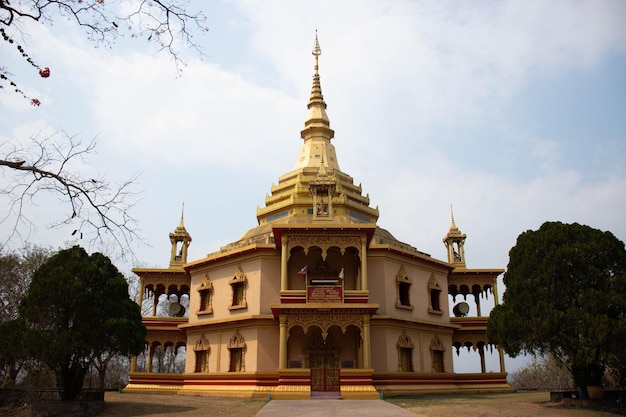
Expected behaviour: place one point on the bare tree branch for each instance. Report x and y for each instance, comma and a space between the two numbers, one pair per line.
98, 210
167, 23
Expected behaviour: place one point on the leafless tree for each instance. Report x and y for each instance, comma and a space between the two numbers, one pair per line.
543, 373
16, 270
167, 23
96, 206
96, 209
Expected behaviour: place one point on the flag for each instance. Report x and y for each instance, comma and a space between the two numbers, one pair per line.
303, 271
341, 273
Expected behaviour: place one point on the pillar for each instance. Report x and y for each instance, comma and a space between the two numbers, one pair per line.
501, 353
140, 295
283, 264
282, 348
364, 264
150, 357
367, 362
495, 291
481, 352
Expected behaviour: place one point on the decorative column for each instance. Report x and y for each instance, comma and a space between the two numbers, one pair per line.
364, 264
477, 299
495, 291
502, 369
367, 362
481, 352
283, 264
133, 364
282, 344
150, 357
140, 295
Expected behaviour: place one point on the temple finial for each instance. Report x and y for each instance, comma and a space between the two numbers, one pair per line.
316, 91
182, 216
317, 129
317, 51
451, 213
453, 226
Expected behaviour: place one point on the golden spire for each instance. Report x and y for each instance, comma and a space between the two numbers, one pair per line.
316, 91
453, 226
317, 123
317, 133
181, 225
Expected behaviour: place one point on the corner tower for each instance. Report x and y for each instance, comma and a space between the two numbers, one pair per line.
455, 244
180, 240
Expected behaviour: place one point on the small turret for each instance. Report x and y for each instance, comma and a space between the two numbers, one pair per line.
180, 240
455, 244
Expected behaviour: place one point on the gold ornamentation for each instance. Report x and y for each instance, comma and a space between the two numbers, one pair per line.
324, 321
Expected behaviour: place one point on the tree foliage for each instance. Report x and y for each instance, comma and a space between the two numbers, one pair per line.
78, 309
566, 297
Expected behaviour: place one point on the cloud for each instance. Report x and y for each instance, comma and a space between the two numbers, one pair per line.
417, 94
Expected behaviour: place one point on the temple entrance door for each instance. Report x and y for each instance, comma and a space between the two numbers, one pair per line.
324, 373
324, 364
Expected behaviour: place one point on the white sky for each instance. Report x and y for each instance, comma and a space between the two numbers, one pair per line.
514, 112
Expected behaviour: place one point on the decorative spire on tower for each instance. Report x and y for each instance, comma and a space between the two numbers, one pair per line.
455, 244
317, 132
180, 240
316, 91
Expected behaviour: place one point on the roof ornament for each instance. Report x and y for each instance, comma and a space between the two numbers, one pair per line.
182, 217
453, 226
317, 99
317, 51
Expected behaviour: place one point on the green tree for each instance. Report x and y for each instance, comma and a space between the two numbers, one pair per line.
565, 296
78, 310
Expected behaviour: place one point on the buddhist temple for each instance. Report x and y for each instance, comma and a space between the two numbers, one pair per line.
317, 300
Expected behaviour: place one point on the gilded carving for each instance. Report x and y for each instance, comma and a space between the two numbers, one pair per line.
468, 340
324, 320
324, 242
237, 341
404, 341
202, 344
437, 344
167, 338
206, 283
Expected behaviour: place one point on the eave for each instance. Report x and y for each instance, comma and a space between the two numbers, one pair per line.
414, 255
280, 229
219, 256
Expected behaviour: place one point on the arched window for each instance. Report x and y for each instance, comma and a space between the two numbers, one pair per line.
437, 350
237, 350
205, 290
405, 353
202, 350
403, 284
434, 291
238, 286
